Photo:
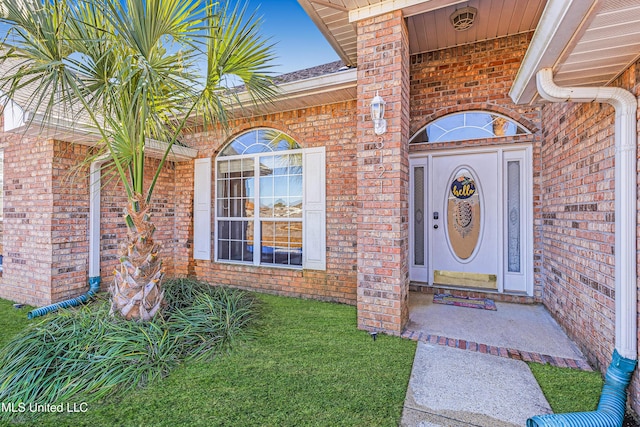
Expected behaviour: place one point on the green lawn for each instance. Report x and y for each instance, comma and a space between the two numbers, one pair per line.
306, 365
568, 390
12, 320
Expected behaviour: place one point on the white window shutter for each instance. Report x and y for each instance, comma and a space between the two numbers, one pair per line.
202, 209
314, 245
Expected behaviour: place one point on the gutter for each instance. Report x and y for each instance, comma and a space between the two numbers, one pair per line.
31, 124
559, 26
626, 106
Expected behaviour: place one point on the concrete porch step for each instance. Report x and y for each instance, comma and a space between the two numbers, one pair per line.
469, 368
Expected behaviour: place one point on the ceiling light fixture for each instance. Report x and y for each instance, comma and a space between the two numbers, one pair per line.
463, 19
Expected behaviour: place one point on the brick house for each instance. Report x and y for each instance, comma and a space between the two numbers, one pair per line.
508, 166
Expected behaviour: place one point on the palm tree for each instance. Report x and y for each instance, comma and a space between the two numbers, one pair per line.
134, 70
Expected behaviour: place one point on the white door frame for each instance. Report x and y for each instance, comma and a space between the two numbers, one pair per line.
508, 282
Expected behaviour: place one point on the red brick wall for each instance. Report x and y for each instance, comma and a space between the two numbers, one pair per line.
69, 221
46, 220
579, 223
478, 77
383, 199
113, 200
331, 126
184, 264
27, 220
475, 76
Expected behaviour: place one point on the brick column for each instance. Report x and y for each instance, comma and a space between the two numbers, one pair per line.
184, 262
28, 203
383, 175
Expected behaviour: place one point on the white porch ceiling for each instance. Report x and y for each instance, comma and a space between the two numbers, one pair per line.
427, 21
586, 42
496, 18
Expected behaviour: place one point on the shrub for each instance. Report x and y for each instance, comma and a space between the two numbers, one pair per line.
180, 292
213, 322
87, 354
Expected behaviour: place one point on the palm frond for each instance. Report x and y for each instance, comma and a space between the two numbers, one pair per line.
132, 69
235, 49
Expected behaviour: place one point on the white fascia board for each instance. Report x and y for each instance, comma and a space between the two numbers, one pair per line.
408, 7
179, 153
312, 86
320, 84
559, 24
81, 133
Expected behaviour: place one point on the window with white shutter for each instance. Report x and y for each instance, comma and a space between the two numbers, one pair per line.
270, 202
202, 209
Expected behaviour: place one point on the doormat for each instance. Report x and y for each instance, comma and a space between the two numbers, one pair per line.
448, 299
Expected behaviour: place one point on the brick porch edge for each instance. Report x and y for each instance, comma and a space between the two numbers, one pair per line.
509, 353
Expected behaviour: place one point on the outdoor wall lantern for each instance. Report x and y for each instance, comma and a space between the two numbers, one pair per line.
377, 115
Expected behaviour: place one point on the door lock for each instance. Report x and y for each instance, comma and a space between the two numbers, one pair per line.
435, 215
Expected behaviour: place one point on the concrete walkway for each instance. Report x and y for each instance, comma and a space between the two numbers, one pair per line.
469, 366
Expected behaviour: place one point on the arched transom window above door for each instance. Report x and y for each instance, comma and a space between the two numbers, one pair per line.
468, 125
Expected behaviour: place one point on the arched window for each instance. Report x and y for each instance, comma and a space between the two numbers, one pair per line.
260, 190
468, 125
259, 141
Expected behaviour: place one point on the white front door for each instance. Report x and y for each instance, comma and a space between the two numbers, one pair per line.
464, 231
470, 219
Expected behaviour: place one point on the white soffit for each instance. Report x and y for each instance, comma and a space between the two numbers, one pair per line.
585, 42
332, 19
337, 19
610, 43
428, 21
432, 30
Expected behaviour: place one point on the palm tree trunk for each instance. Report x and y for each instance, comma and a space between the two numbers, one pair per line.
136, 292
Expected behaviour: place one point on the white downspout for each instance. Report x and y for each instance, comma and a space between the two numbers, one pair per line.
94, 215
626, 106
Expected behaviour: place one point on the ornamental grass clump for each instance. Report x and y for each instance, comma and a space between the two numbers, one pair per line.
86, 354
213, 323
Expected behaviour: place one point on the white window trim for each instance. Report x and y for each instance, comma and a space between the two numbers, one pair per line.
313, 217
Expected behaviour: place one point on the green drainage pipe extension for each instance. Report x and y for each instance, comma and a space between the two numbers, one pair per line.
610, 412
94, 287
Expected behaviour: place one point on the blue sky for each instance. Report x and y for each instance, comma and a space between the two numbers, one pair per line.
299, 42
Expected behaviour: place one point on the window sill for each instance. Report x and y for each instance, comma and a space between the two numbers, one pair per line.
261, 266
